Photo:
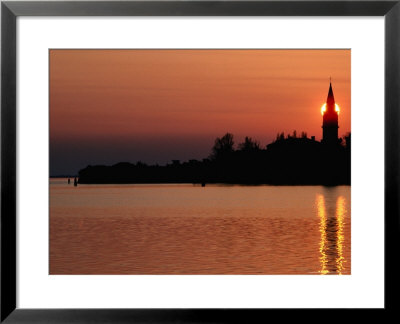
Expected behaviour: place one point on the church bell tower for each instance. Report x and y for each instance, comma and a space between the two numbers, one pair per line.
330, 116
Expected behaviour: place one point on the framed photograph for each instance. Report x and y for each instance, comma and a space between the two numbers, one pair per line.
194, 161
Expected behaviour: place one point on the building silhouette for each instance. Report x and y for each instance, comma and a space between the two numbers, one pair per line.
330, 119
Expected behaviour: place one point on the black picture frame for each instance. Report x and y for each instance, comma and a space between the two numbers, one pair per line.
10, 10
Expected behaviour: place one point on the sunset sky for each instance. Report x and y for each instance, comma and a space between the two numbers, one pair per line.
108, 106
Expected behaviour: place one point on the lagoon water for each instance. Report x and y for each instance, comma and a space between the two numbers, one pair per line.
189, 229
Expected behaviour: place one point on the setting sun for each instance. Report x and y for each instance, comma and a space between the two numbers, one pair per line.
323, 109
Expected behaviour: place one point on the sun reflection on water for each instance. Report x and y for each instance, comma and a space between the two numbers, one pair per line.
340, 211
331, 227
322, 229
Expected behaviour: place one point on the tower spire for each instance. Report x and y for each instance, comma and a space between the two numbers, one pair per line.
330, 101
330, 123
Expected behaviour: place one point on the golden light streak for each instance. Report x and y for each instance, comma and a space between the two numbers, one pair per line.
320, 202
340, 212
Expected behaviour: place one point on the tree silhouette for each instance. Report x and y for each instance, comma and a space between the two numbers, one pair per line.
223, 146
347, 141
249, 145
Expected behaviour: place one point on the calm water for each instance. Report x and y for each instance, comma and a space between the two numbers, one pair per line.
187, 229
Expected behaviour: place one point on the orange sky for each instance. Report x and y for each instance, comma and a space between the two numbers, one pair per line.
108, 106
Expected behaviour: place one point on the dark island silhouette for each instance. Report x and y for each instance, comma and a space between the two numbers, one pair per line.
289, 160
